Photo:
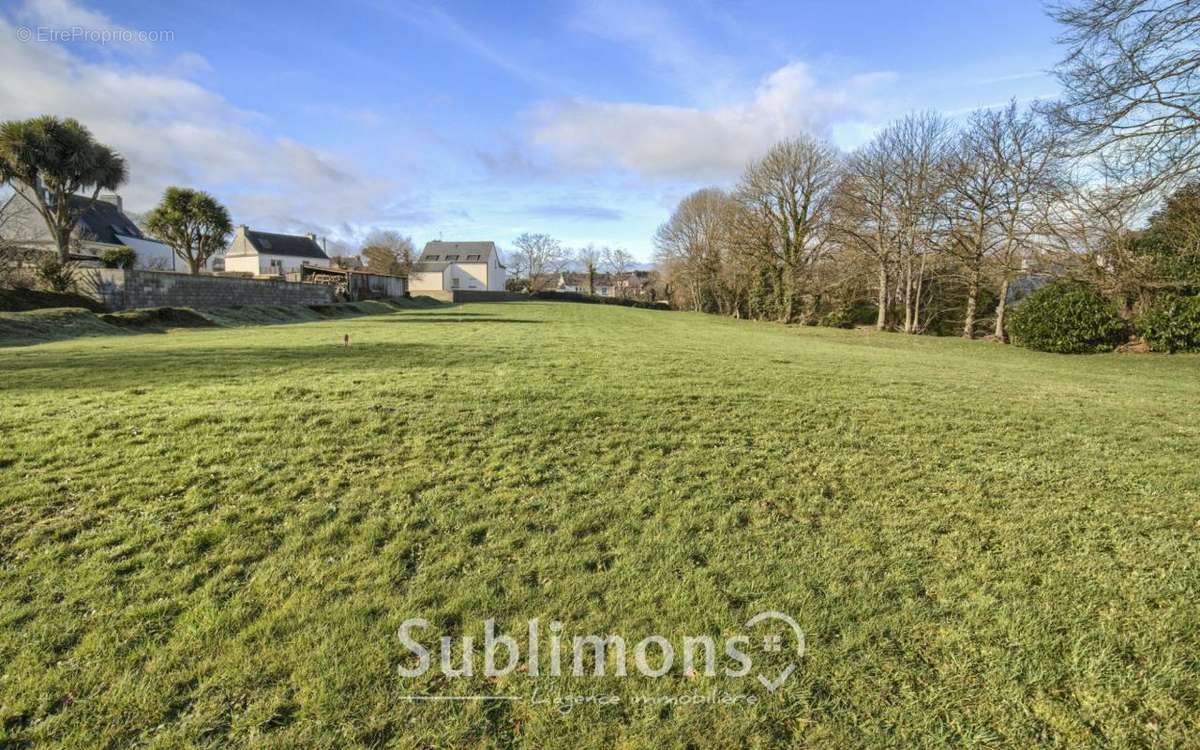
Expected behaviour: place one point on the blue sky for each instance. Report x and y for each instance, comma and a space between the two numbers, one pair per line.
469, 120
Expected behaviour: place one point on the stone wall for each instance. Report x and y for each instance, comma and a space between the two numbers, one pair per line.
118, 289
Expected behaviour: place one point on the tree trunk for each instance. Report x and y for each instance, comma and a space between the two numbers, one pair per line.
968, 331
194, 266
918, 326
62, 243
908, 303
1001, 308
881, 319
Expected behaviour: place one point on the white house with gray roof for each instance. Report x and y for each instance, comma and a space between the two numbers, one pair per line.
267, 253
446, 266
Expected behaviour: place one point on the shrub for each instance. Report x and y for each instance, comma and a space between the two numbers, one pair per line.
119, 257
1067, 318
56, 276
1172, 324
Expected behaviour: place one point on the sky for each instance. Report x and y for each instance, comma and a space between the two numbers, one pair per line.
587, 121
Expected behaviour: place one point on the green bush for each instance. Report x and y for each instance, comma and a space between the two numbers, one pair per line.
1172, 324
56, 276
1067, 318
119, 257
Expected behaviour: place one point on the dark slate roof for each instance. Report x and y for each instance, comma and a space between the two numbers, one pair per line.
291, 245
103, 221
437, 250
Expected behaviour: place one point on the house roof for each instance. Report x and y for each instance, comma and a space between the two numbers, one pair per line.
145, 246
437, 250
99, 220
102, 221
427, 267
291, 245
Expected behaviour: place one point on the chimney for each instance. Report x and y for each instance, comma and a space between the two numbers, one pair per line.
111, 198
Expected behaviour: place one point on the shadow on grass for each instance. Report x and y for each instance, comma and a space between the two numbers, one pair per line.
122, 368
457, 319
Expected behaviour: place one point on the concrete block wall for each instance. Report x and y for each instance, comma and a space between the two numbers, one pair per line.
119, 289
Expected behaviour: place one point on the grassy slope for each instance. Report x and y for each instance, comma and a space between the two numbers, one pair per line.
210, 537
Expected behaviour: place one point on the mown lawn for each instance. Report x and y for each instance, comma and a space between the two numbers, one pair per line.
209, 538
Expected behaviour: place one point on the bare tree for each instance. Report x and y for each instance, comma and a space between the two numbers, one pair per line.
865, 216
917, 146
1131, 86
1090, 236
973, 196
17, 257
695, 244
589, 258
618, 263
537, 257
389, 252
1028, 158
788, 198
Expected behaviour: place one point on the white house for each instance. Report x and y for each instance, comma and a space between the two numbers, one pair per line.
266, 253
103, 225
446, 266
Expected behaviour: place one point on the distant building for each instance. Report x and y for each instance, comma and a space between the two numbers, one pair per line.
632, 284
103, 225
267, 253
446, 266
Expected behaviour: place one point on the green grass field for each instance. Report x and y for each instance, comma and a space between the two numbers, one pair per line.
209, 538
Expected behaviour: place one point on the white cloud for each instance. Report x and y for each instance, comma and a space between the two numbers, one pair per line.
64, 14
697, 143
173, 131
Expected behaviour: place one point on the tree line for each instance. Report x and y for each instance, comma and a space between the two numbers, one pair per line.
929, 225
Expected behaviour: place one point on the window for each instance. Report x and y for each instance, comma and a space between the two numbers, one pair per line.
472, 257
432, 257
451, 257
454, 283
265, 243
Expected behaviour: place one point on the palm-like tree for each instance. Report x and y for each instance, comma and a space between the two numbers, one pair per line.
193, 223
50, 160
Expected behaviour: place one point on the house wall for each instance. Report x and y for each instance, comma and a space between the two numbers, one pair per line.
496, 275
150, 256
118, 289
469, 276
428, 281
242, 263
261, 264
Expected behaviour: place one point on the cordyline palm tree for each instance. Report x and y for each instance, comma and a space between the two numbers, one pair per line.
63, 158
193, 223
